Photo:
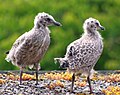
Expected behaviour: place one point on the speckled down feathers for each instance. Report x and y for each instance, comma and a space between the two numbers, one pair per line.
83, 53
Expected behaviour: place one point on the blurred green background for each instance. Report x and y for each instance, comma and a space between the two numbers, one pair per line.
16, 17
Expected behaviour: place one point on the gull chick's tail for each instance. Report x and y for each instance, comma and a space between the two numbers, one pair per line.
63, 62
7, 52
8, 59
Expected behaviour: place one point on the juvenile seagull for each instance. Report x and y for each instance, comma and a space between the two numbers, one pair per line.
30, 47
83, 53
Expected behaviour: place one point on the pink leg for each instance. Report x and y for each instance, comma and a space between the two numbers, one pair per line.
73, 79
37, 74
89, 82
21, 72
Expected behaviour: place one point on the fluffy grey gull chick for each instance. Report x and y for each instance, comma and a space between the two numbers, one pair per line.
83, 53
30, 47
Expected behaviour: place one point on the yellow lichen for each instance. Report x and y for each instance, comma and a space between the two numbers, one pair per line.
2, 81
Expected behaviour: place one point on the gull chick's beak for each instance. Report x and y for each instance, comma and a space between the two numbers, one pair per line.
57, 23
102, 28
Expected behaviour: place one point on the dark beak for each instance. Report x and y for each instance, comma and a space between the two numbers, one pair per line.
102, 28
57, 23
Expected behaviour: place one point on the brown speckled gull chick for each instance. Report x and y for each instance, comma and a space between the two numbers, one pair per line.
83, 53
30, 47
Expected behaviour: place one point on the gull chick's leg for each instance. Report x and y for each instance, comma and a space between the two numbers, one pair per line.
89, 82
21, 72
73, 79
36, 73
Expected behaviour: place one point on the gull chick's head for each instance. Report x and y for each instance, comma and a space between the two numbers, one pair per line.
44, 19
92, 25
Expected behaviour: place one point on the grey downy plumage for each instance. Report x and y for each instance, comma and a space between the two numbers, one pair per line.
30, 47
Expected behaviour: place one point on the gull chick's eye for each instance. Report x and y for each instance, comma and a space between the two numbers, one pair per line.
97, 24
48, 19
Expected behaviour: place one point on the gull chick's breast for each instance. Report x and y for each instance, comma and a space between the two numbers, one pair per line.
32, 49
85, 53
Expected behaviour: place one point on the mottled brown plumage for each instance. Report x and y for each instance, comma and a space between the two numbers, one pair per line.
83, 53
30, 47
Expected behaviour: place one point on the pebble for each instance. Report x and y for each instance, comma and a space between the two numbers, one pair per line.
12, 87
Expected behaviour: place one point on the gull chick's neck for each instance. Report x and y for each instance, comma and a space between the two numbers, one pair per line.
89, 31
93, 34
41, 28
37, 26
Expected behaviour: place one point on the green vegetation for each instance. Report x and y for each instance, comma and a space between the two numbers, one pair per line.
16, 17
